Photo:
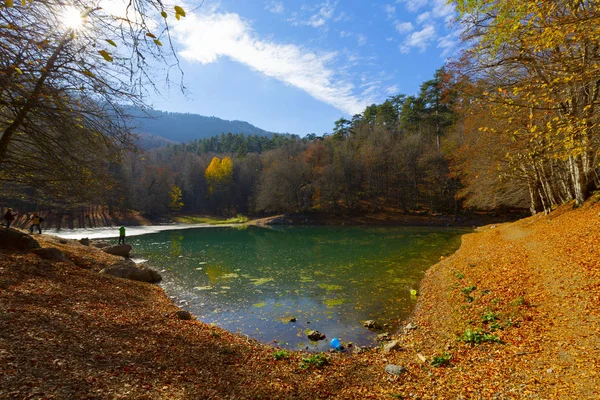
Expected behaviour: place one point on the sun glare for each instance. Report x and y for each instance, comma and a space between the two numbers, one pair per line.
71, 18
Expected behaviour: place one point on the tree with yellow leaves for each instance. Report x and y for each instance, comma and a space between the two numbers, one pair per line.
540, 67
219, 174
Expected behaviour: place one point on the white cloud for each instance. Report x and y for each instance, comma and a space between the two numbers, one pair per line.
419, 39
392, 90
390, 10
345, 34
403, 27
413, 5
449, 44
424, 17
320, 14
276, 7
362, 39
207, 37
441, 9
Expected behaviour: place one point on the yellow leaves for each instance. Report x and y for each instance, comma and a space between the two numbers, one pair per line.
9, 3
219, 173
151, 35
112, 43
179, 12
18, 70
164, 14
157, 42
88, 73
106, 55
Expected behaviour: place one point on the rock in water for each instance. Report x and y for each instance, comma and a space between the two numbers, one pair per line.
315, 335
13, 239
122, 250
127, 269
51, 254
372, 324
183, 315
395, 369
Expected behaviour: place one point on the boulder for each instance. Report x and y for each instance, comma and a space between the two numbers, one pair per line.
85, 241
395, 369
50, 253
372, 324
122, 250
315, 335
391, 346
183, 315
100, 244
14, 239
127, 269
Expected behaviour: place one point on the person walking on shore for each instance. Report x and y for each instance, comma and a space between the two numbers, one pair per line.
9, 217
36, 223
122, 235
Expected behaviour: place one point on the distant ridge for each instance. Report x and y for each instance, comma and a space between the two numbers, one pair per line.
180, 128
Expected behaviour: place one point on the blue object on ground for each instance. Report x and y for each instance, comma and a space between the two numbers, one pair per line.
335, 343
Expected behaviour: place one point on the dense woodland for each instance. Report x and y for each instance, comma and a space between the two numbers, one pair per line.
511, 123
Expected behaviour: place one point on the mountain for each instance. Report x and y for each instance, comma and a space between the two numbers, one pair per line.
154, 126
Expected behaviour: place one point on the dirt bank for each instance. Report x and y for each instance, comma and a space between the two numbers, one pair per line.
533, 285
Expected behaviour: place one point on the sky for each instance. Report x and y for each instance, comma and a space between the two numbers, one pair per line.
297, 66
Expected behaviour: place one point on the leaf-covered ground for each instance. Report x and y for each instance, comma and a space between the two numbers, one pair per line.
67, 332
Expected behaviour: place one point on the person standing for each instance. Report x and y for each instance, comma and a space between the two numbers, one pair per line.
9, 216
122, 235
36, 223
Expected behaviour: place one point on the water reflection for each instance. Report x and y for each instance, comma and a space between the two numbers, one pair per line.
330, 279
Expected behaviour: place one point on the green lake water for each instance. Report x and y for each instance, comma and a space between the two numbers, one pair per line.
331, 279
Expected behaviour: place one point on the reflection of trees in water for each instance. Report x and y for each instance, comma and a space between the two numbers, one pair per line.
347, 274
176, 239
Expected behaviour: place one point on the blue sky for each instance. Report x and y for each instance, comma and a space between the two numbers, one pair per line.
298, 66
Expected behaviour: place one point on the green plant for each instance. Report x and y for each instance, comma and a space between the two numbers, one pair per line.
468, 290
280, 354
459, 275
315, 360
490, 316
439, 361
478, 336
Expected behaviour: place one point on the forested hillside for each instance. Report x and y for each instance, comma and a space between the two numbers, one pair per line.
396, 154
183, 127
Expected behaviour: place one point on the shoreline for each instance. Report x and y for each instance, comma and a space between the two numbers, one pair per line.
505, 273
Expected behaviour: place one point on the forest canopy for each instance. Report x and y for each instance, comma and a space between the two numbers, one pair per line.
510, 123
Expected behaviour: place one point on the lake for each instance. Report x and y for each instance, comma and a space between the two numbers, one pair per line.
254, 280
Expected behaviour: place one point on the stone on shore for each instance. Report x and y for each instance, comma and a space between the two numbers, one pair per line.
391, 346
122, 250
50, 253
85, 241
13, 239
183, 315
127, 269
395, 369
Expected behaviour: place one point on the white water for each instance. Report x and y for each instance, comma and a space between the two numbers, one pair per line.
113, 232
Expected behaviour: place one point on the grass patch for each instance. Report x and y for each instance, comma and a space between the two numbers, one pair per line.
459, 275
315, 360
478, 337
239, 219
489, 316
281, 354
440, 361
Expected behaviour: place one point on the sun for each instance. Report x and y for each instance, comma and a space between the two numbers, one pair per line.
71, 18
